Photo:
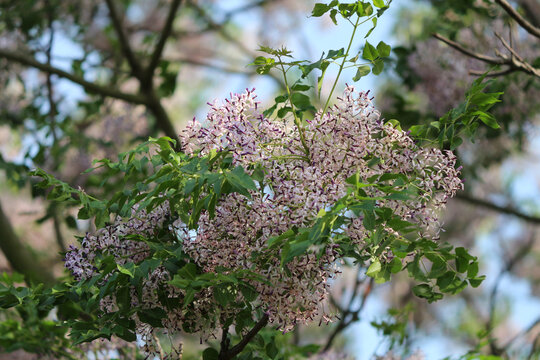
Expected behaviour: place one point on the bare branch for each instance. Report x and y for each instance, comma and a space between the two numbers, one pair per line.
514, 62
501, 209
530, 28
218, 67
91, 87
517, 60
348, 315
230, 38
469, 53
493, 73
136, 68
237, 349
509, 265
158, 51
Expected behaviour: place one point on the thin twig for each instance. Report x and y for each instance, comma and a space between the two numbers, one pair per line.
165, 33
520, 254
502, 209
470, 53
517, 60
218, 67
108, 91
220, 28
530, 28
348, 316
136, 68
50, 92
237, 349
493, 73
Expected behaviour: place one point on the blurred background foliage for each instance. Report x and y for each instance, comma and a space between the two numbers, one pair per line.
82, 80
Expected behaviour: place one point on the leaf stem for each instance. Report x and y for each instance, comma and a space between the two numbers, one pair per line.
296, 119
355, 26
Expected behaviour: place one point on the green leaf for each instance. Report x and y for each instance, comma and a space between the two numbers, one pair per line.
362, 71
299, 87
384, 49
476, 281
487, 119
378, 66
301, 101
128, 269
370, 52
210, 354
369, 220
374, 268
374, 21
426, 292
379, 3
223, 295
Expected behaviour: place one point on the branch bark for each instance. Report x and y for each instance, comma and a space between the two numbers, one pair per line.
19, 257
136, 68
532, 10
91, 87
158, 51
502, 209
227, 354
145, 76
530, 28
515, 63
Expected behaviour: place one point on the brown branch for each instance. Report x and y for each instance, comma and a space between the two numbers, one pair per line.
509, 265
230, 38
349, 316
237, 349
469, 53
158, 51
493, 73
532, 10
502, 209
136, 68
516, 60
513, 62
53, 111
91, 87
152, 101
530, 28
222, 68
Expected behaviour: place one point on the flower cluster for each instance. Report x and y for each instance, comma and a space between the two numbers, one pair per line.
301, 179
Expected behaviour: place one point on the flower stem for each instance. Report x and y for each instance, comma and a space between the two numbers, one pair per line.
296, 119
355, 26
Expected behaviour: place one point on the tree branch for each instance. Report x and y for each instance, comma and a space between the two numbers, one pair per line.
514, 62
218, 67
348, 315
152, 101
230, 38
509, 265
91, 87
158, 51
469, 53
136, 68
532, 10
237, 349
530, 28
502, 209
